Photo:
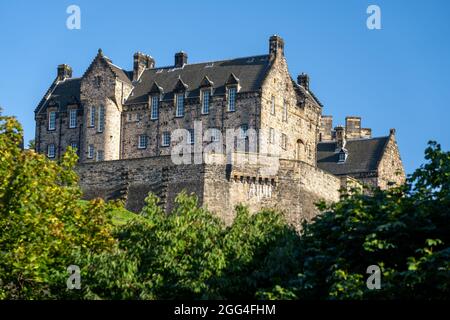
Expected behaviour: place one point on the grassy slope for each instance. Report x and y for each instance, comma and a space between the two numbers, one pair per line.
120, 215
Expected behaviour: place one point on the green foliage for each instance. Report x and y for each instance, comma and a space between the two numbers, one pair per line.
189, 253
404, 230
41, 222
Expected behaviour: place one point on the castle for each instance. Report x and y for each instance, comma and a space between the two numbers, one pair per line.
122, 124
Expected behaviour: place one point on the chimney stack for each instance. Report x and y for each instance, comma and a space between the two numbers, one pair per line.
181, 59
340, 137
276, 46
303, 80
140, 63
64, 72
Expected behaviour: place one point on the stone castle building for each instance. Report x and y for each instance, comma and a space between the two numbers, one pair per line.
122, 123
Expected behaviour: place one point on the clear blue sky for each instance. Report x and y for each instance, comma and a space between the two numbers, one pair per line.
394, 77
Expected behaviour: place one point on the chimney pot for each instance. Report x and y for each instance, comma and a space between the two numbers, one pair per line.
64, 72
303, 80
181, 58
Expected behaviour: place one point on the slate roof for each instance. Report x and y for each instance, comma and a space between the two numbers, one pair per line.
63, 92
123, 75
249, 70
363, 156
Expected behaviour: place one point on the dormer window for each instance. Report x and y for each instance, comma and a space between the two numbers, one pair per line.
155, 107
342, 156
232, 85
179, 100
231, 101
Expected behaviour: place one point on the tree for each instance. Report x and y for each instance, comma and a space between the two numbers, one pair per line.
404, 231
42, 220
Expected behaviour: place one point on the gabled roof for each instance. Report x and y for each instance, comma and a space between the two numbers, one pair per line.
206, 82
63, 92
180, 86
250, 71
363, 156
123, 75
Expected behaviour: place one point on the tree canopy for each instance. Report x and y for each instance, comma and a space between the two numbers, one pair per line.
190, 254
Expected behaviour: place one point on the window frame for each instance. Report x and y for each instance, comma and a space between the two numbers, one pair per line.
285, 111
163, 140
272, 105
154, 110
179, 114
52, 147
91, 151
51, 121
206, 102
191, 139
73, 118
271, 135
101, 119
98, 157
231, 98
283, 141
92, 117
145, 141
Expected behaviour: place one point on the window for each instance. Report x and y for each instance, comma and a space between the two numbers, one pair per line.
91, 151
98, 81
51, 150
73, 118
52, 120
271, 135
92, 117
166, 139
244, 129
342, 156
130, 117
74, 145
101, 119
272, 105
143, 140
283, 141
231, 99
285, 110
100, 155
215, 135
180, 105
191, 136
155, 107
205, 101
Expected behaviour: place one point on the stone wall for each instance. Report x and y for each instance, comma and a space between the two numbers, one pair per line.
136, 120
390, 168
62, 136
132, 180
293, 189
300, 127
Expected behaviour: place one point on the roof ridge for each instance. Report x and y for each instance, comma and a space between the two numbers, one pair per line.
357, 139
211, 61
